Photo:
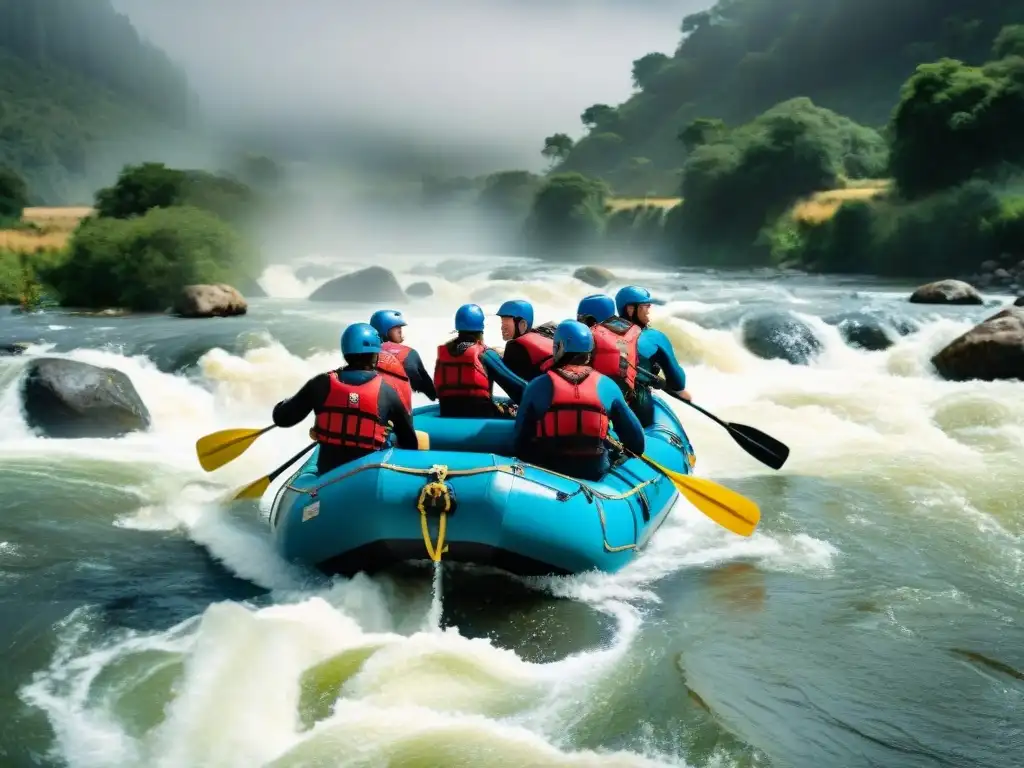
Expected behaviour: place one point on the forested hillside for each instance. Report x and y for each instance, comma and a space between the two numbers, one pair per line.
75, 78
741, 57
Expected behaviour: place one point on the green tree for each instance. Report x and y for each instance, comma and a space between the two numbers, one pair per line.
703, 130
142, 263
138, 189
598, 114
647, 67
13, 194
557, 147
954, 122
568, 214
1009, 42
509, 194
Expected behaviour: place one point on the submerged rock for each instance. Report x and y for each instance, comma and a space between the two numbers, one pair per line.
315, 272
364, 285
11, 350
947, 292
992, 350
780, 336
210, 301
868, 332
69, 399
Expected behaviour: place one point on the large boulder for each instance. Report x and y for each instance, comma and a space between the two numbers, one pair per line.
992, 350
947, 292
1019, 302
69, 399
598, 277
419, 290
780, 336
365, 285
210, 301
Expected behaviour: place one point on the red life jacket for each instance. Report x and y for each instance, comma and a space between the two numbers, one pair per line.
615, 351
576, 423
398, 350
462, 375
393, 372
540, 349
350, 416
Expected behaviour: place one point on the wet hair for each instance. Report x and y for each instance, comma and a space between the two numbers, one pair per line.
361, 362
465, 337
588, 320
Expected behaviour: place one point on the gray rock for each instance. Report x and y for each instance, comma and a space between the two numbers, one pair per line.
365, 285
863, 331
419, 290
780, 336
69, 399
598, 277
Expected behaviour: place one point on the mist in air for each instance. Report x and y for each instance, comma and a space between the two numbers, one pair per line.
486, 80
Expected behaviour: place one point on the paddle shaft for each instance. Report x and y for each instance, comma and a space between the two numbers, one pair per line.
277, 472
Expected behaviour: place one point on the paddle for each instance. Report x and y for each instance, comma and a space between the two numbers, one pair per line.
216, 450
729, 509
257, 488
762, 447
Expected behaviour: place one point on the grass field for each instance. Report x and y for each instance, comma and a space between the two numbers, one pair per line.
45, 228
823, 205
623, 203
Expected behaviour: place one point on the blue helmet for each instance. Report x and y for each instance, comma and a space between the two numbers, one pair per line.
631, 294
360, 339
469, 317
597, 306
571, 338
383, 320
517, 308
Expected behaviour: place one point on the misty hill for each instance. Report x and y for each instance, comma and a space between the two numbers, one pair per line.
80, 93
741, 57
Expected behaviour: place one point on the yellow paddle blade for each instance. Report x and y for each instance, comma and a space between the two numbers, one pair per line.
216, 450
423, 439
253, 490
729, 509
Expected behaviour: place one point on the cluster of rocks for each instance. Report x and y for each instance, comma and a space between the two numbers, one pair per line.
1003, 275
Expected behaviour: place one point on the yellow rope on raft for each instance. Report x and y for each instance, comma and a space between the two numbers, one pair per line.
433, 491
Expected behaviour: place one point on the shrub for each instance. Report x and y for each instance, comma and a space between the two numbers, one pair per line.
568, 214
13, 194
142, 263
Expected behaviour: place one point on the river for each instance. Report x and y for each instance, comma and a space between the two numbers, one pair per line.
875, 619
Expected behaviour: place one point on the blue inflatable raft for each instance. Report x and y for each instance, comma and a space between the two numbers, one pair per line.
465, 500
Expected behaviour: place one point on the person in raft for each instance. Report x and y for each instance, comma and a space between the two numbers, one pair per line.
564, 417
466, 371
400, 365
528, 352
353, 405
594, 309
624, 344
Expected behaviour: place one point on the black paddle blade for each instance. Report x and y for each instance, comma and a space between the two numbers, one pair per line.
762, 447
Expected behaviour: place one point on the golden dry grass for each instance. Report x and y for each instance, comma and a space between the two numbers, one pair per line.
624, 203
823, 205
51, 229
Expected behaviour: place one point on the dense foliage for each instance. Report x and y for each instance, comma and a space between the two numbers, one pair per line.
143, 262
741, 57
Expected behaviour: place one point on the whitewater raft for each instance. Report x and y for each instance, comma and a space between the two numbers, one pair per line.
465, 500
